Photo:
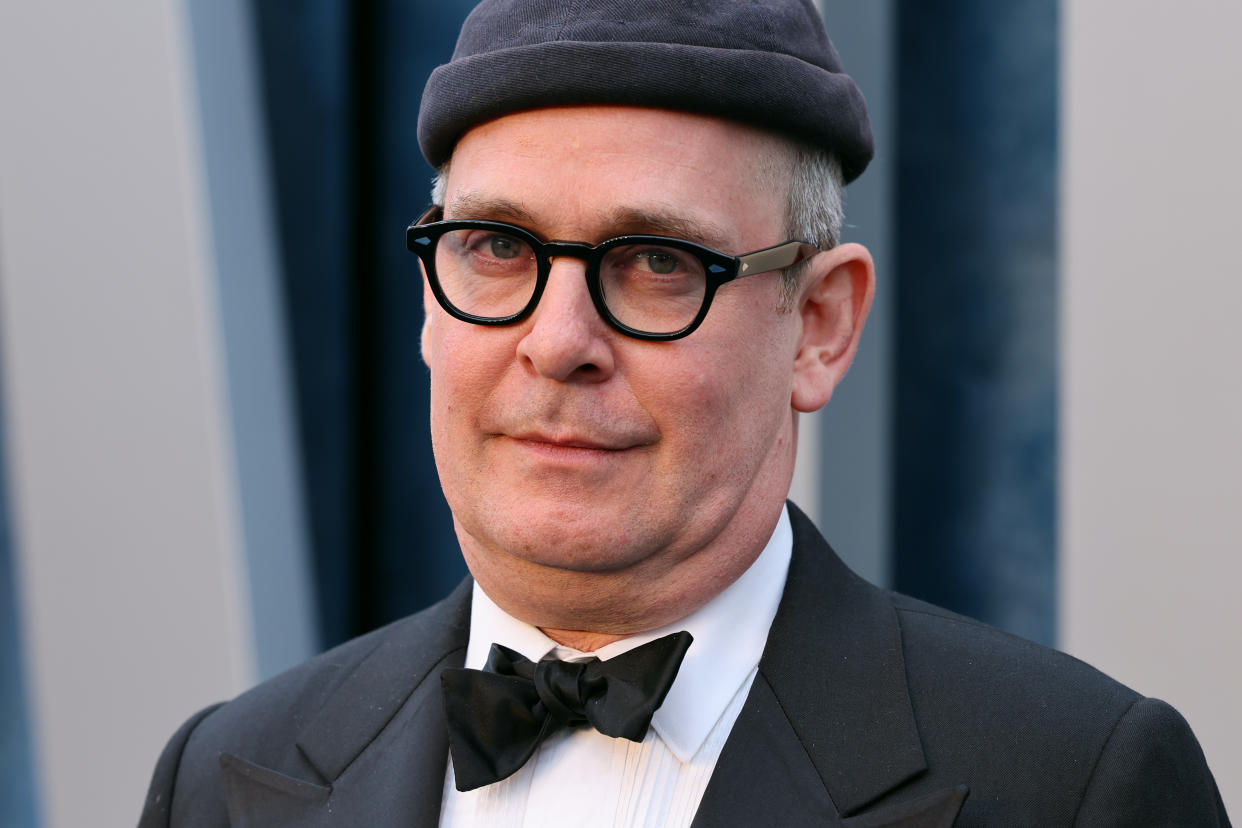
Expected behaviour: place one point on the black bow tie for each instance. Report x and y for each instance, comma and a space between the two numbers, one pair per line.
497, 716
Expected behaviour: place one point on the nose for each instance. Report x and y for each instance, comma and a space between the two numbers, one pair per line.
566, 340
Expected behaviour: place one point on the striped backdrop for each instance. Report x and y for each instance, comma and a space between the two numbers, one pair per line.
213, 437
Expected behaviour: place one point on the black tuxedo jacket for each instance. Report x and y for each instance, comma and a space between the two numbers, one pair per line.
869, 709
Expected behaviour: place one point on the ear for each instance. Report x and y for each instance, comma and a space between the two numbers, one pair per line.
833, 302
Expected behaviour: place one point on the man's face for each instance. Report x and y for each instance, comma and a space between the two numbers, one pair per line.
565, 448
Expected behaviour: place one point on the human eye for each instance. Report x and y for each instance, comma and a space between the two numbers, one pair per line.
502, 247
652, 287
653, 269
485, 251
660, 261
485, 271
490, 245
662, 265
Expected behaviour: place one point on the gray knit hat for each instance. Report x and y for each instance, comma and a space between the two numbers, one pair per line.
767, 63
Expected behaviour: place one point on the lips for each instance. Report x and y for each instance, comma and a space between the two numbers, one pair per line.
571, 441
570, 422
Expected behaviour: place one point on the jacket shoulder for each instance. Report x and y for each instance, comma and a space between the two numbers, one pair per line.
997, 708
394, 655
964, 653
954, 636
263, 724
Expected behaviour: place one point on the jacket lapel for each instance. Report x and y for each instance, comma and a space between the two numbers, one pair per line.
763, 776
829, 712
378, 744
827, 729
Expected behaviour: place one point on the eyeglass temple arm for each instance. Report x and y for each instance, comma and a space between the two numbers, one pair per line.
429, 215
775, 258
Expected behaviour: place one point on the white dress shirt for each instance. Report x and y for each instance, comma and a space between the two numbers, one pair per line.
580, 777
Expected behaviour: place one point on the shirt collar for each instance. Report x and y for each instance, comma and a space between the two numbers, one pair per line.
729, 635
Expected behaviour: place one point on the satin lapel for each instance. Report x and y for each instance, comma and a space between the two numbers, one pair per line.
378, 743
763, 776
830, 699
938, 809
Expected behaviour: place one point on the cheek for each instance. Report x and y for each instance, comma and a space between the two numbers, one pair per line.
468, 364
452, 383
721, 412
754, 398
424, 340
431, 315
459, 389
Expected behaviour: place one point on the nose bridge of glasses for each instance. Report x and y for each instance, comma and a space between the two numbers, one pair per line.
570, 250
549, 252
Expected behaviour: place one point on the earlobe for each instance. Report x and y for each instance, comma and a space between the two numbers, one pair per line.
834, 301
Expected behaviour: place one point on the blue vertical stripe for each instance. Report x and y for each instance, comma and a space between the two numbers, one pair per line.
976, 309
247, 277
855, 506
408, 550
304, 60
342, 84
18, 801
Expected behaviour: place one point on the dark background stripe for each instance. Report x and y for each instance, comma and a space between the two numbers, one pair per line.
342, 83
976, 366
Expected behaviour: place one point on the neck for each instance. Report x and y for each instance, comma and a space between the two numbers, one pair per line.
581, 640
589, 610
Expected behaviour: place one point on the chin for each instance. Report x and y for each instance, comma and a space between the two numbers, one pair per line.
593, 532
589, 546
599, 555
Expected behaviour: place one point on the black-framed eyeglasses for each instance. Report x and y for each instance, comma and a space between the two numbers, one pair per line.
647, 287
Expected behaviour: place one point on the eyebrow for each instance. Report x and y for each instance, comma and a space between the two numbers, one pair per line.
622, 221
470, 205
661, 223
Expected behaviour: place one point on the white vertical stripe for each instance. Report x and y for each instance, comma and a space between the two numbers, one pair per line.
854, 431
123, 487
1151, 417
804, 489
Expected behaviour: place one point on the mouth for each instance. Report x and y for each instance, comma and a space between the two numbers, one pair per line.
582, 443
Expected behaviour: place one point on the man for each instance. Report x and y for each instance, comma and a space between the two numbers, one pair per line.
626, 312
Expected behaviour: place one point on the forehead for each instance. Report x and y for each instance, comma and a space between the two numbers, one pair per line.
581, 168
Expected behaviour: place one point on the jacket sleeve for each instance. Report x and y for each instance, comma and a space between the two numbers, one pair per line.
1152, 772
157, 811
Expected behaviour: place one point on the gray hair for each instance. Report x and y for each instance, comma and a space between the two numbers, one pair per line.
439, 184
814, 208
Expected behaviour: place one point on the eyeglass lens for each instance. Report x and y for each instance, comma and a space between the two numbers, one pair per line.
647, 287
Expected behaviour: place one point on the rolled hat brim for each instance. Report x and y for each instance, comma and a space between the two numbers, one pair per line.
768, 90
